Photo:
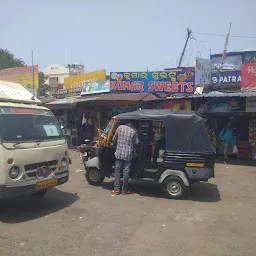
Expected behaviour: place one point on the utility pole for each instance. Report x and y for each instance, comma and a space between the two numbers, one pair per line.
224, 51
33, 83
189, 31
225, 46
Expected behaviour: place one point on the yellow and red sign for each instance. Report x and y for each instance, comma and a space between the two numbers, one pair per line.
180, 104
21, 75
79, 80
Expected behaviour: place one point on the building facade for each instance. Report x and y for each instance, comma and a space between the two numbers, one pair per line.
56, 73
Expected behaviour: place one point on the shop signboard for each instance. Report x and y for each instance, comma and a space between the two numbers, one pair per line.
203, 72
248, 76
180, 104
226, 78
123, 107
153, 82
78, 81
60, 94
21, 75
235, 104
95, 87
231, 62
250, 104
250, 57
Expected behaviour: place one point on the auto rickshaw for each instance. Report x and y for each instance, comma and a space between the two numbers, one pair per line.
187, 155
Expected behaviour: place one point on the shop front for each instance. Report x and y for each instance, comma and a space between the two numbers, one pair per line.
228, 108
75, 106
112, 104
65, 111
78, 118
251, 108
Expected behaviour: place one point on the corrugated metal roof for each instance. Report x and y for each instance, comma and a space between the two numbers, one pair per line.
87, 98
73, 100
128, 97
46, 100
106, 97
224, 94
214, 94
65, 101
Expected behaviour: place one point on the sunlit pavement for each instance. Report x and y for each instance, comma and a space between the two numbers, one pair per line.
78, 219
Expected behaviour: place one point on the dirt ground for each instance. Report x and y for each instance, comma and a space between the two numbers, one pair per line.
219, 218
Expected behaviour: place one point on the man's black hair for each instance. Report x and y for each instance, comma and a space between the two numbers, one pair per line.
129, 125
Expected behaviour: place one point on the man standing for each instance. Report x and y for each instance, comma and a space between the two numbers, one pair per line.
125, 140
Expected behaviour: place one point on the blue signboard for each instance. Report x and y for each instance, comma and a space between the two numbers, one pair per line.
224, 104
93, 87
226, 78
160, 81
250, 57
60, 94
231, 62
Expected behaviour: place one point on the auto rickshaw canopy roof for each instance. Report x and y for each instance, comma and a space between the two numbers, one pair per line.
184, 130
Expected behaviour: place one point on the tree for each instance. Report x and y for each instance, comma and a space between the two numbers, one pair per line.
7, 60
43, 88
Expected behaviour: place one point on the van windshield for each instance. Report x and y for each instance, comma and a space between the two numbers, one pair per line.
20, 124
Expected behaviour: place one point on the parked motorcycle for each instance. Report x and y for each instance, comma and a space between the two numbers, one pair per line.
88, 150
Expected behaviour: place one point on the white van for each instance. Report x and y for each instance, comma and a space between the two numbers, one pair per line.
33, 151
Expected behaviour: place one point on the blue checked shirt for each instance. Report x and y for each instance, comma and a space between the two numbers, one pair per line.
125, 139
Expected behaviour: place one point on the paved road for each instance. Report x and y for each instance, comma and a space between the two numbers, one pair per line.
78, 219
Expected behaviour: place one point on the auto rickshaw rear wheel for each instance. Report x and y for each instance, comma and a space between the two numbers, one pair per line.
174, 188
94, 176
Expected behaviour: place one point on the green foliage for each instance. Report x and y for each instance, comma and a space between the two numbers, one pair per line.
7, 60
43, 88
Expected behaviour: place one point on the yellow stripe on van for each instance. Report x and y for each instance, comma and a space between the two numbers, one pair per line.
194, 164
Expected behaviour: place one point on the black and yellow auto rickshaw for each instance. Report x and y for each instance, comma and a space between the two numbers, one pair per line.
184, 154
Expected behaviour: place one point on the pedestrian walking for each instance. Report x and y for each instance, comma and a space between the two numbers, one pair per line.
228, 138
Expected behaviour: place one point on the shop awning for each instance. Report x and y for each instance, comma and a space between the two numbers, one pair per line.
65, 101
73, 100
214, 94
87, 98
128, 97
46, 100
224, 94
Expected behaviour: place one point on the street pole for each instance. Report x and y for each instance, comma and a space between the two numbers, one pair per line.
189, 31
225, 46
33, 84
224, 51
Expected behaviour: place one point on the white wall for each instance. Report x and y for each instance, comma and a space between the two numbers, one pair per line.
56, 74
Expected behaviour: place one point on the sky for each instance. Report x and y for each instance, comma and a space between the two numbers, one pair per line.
118, 35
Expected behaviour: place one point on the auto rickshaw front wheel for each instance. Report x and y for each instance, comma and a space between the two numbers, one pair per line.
174, 188
94, 176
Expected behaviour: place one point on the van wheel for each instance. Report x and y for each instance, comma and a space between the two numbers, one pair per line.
94, 176
39, 194
174, 188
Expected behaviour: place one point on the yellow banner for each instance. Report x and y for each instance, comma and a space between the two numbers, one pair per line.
21, 75
79, 80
